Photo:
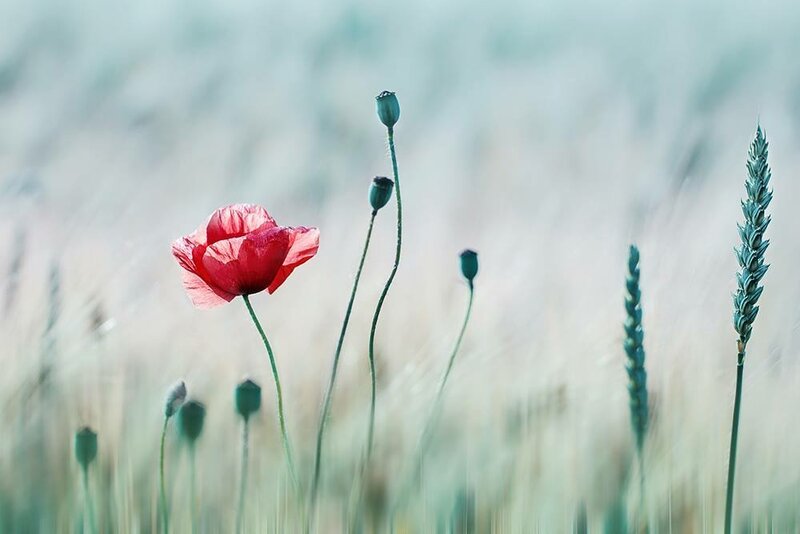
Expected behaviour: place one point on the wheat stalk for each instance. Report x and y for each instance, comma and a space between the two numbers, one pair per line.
752, 269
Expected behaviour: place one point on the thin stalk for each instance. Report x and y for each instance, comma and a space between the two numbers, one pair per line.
440, 393
329, 393
162, 484
434, 415
373, 381
642, 510
192, 487
734, 439
87, 496
278, 390
243, 475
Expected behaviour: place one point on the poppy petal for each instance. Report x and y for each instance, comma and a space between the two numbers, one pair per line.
203, 295
304, 243
237, 220
248, 264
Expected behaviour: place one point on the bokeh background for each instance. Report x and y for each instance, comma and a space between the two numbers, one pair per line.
545, 135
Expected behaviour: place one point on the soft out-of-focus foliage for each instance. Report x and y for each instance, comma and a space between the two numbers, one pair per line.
546, 135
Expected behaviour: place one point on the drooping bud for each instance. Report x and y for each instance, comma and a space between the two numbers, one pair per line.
469, 264
175, 397
248, 398
388, 108
380, 192
85, 446
191, 417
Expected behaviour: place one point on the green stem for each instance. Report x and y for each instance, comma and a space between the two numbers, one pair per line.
329, 393
734, 438
87, 496
278, 390
192, 487
373, 381
443, 383
642, 500
162, 484
243, 475
432, 418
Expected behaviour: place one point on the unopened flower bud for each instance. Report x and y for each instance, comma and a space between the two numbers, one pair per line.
380, 192
388, 108
469, 264
175, 397
85, 446
248, 398
191, 417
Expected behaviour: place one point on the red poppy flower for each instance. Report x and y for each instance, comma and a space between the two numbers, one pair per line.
241, 251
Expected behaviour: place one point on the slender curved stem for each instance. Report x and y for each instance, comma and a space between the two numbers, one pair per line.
373, 381
243, 475
87, 496
329, 393
434, 415
279, 392
440, 393
162, 483
734, 439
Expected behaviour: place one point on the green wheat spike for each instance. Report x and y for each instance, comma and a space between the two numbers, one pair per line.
634, 336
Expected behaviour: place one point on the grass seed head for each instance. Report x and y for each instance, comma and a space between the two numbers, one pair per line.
751, 252
634, 349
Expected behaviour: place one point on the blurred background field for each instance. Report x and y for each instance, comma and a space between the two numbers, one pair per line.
547, 136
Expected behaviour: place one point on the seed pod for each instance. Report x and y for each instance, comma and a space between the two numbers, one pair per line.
380, 192
175, 397
248, 398
191, 417
388, 108
85, 446
469, 264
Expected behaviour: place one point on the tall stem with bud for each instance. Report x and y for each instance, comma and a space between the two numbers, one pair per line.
388, 109
380, 193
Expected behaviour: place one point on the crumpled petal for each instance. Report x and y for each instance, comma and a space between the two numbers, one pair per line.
235, 221
203, 295
247, 264
304, 243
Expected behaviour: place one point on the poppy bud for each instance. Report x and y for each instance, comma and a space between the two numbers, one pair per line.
388, 108
248, 398
380, 192
469, 264
191, 416
175, 397
85, 446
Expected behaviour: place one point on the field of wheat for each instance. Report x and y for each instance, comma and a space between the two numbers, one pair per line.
548, 137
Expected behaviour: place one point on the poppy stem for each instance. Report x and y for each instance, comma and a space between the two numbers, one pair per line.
430, 426
162, 484
373, 382
192, 487
440, 393
88, 500
278, 390
329, 393
243, 475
